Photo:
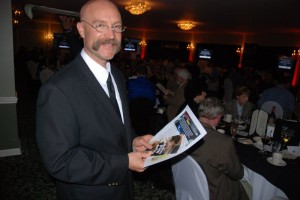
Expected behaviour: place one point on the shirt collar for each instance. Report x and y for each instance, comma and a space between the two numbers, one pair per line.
99, 71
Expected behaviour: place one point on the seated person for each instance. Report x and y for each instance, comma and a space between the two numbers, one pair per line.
142, 99
282, 95
241, 106
140, 86
194, 93
216, 154
176, 99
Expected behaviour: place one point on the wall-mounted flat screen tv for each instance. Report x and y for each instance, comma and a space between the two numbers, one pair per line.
285, 62
205, 53
130, 46
60, 41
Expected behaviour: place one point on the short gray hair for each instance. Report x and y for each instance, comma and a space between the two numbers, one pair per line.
210, 108
183, 73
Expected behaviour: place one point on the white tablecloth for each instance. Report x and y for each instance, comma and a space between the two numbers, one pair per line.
262, 189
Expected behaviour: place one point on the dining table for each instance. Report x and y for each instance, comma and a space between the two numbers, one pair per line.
285, 178
268, 180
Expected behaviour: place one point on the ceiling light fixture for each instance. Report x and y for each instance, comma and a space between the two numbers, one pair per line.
186, 25
137, 7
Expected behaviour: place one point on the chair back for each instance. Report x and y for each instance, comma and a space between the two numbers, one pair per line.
189, 180
268, 105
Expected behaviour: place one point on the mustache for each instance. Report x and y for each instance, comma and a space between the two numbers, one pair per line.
98, 43
108, 41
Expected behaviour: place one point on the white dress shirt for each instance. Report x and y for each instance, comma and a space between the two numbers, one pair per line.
101, 74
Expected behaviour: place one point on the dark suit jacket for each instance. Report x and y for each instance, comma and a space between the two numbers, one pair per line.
217, 156
81, 138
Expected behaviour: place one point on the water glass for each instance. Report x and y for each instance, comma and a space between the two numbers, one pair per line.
276, 145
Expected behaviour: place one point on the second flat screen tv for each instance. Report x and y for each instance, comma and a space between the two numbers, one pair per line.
205, 53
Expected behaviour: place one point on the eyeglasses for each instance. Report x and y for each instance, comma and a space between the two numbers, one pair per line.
102, 28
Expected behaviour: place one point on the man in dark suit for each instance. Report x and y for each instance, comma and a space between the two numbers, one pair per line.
85, 142
217, 156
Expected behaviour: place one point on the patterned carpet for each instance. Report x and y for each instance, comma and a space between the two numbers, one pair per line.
24, 177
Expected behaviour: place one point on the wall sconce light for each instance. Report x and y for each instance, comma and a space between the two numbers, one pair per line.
17, 13
49, 37
190, 46
16, 16
239, 50
143, 43
296, 53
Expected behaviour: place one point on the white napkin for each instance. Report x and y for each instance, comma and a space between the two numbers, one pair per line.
259, 145
294, 150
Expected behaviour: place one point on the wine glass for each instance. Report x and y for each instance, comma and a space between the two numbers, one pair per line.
276, 145
265, 140
285, 137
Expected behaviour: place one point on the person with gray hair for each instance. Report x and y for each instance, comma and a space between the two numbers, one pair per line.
211, 109
176, 99
216, 154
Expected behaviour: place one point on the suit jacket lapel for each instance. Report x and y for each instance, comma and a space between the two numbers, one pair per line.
97, 91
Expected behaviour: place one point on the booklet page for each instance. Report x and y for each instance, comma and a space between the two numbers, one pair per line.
176, 137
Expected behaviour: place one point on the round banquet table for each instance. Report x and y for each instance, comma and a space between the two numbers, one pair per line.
285, 178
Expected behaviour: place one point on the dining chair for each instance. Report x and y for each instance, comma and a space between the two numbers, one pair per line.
189, 180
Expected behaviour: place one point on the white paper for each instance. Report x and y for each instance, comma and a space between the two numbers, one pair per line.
162, 88
185, 129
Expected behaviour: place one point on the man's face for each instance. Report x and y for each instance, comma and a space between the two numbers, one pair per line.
242, 99
101, 46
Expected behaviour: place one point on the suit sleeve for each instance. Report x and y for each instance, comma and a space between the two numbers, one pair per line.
58, 139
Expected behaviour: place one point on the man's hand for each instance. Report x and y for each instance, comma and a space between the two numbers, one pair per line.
137, 159
141, 143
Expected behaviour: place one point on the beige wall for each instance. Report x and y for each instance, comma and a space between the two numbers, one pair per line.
9, 141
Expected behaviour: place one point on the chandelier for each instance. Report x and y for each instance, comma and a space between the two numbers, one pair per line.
137, 7
186, 25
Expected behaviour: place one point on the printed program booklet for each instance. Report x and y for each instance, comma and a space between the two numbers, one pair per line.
177, 136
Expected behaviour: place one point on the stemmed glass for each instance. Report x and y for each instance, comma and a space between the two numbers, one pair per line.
276, 145
265, 140
285, 137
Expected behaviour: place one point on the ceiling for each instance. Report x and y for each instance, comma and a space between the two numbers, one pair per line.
274, 22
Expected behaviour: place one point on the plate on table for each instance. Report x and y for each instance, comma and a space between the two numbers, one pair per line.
241, 127
227, 121
245, 141
281, 164
257, 139
243, 133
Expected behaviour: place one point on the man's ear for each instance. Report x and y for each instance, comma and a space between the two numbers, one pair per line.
80, 29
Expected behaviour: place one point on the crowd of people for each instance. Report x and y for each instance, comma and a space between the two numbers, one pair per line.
91, 150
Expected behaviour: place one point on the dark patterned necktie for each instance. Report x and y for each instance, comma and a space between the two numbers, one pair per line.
112, 94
